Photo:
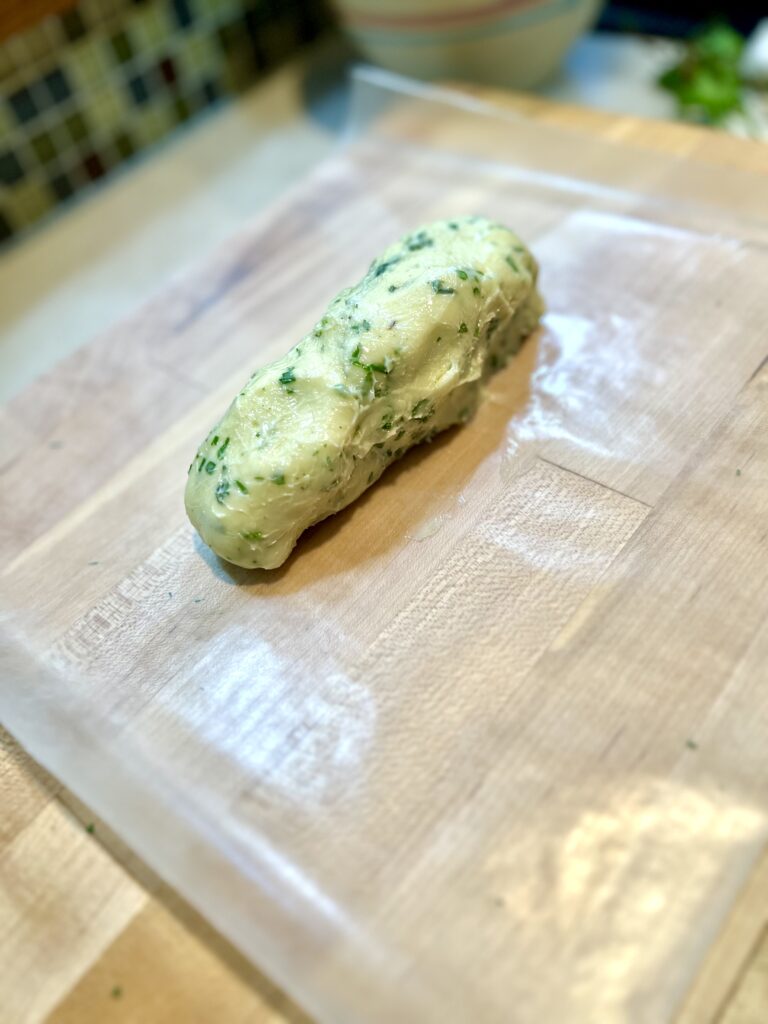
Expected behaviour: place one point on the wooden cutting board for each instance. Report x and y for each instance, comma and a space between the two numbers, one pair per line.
98, 942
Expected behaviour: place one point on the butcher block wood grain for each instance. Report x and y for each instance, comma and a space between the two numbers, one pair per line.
656, 583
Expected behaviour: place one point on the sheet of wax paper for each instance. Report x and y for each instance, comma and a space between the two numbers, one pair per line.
394, 773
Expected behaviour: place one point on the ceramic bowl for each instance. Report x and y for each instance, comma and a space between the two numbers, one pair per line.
516, 43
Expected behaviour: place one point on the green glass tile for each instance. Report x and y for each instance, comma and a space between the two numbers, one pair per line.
121, 47
124, 145
77, 127
181, 109
71, 25
61, 138
43, 147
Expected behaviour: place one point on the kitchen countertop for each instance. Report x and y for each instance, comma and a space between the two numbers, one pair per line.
90, 933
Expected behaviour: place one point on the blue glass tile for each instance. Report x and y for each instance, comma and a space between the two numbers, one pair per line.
139, 90
58, 86
10, 169
61, 187
182, 13
23, 106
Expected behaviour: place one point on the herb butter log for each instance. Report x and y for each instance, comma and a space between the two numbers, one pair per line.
395, 359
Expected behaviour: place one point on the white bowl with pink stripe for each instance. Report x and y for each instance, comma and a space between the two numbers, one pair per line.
515, 43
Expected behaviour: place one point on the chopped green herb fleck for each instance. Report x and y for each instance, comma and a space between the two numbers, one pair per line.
419, 241
475, 290
440, 289
258, 478
220, 452
241, 486
252, 535
453, 225
360, 325
222, 490
215, 440
209, 467
90, 828
512, 263
371, 368
462, 274
287, 376
692, 744
278, 478
421, 410
202, 463
371, 476
392, 288
463, 328
738, 472
116, 992
383, 267
329, 462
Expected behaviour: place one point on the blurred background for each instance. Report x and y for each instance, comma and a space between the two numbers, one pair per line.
135, 135
88, 85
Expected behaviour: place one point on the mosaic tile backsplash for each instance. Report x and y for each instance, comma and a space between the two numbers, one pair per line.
85, 90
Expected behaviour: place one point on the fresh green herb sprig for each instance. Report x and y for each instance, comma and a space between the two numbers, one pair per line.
707, 83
